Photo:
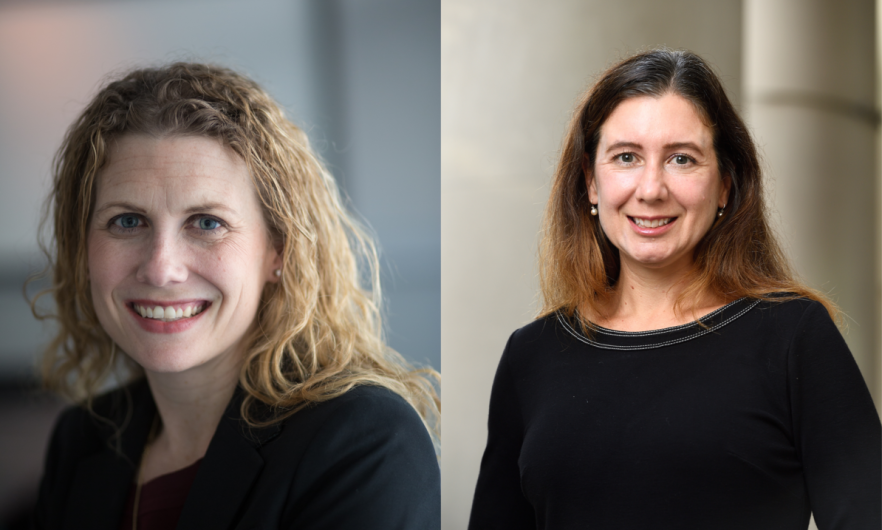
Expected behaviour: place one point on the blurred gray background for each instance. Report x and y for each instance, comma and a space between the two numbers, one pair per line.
362, 77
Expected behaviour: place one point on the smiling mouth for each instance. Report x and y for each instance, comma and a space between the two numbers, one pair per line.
651, 223
169, 313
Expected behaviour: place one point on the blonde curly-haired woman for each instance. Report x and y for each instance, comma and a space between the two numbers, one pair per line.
201, 253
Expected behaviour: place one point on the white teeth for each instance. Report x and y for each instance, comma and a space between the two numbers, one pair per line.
168, 314
655, 223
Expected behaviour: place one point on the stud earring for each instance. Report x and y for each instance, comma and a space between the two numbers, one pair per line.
720, 211
278, 273
594, 209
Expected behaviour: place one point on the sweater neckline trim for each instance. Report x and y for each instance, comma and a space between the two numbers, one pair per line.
610, 339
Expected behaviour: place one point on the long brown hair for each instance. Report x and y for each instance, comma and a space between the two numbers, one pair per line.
738, 257
318, 330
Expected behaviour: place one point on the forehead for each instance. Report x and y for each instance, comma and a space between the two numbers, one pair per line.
669, 118
173, 170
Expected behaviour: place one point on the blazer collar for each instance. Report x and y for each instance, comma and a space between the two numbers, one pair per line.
102, 480
231, 465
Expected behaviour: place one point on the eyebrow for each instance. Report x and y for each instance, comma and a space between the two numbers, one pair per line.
620, 145
684, 145
209, 206
120, 205
191, 210
675, 145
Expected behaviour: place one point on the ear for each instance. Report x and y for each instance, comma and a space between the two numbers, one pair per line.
588, 173
273, 263
724, 191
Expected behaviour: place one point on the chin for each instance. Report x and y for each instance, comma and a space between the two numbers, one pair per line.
655, 261
651, 260
167, 361
653, 255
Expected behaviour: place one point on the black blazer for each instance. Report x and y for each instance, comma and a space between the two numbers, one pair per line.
362, 460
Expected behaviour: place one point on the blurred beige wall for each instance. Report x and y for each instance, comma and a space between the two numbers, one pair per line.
511, 71
810, 100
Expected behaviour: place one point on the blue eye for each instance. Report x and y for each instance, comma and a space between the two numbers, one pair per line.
682, 160
626, 157
127, 221
207, 223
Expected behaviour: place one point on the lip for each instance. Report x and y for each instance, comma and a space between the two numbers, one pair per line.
657, 231
158, 326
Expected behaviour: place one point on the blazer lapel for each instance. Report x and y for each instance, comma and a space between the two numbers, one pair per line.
99, 492
230, 467
102, 480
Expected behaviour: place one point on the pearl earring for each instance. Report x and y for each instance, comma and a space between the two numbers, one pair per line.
720, 211
278, 273
594, 209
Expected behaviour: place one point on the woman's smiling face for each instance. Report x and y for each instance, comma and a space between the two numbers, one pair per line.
655, 181
177, 225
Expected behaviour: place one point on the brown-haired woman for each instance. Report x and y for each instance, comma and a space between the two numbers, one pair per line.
201, 252
679, 376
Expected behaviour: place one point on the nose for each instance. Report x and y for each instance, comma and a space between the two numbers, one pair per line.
651, 186
163, 262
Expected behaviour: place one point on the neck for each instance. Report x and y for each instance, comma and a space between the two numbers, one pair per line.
644, 298
190, 405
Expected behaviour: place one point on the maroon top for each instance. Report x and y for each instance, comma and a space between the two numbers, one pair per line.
162, 500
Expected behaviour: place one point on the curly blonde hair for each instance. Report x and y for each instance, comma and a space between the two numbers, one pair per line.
318, 331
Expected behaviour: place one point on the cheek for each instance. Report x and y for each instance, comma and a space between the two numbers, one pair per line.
611, 187
237, 267
702, 205
611, 195
702, 200
106, 266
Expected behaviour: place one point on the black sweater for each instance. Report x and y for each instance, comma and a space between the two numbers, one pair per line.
751, 423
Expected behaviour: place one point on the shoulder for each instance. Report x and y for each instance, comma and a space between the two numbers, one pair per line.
801, 329
80, 435
79, 432
547, 334
363, 405
366, 418
75, 434
786, 312
366, 451
544, 328
372, 401
537, 328
110, 412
